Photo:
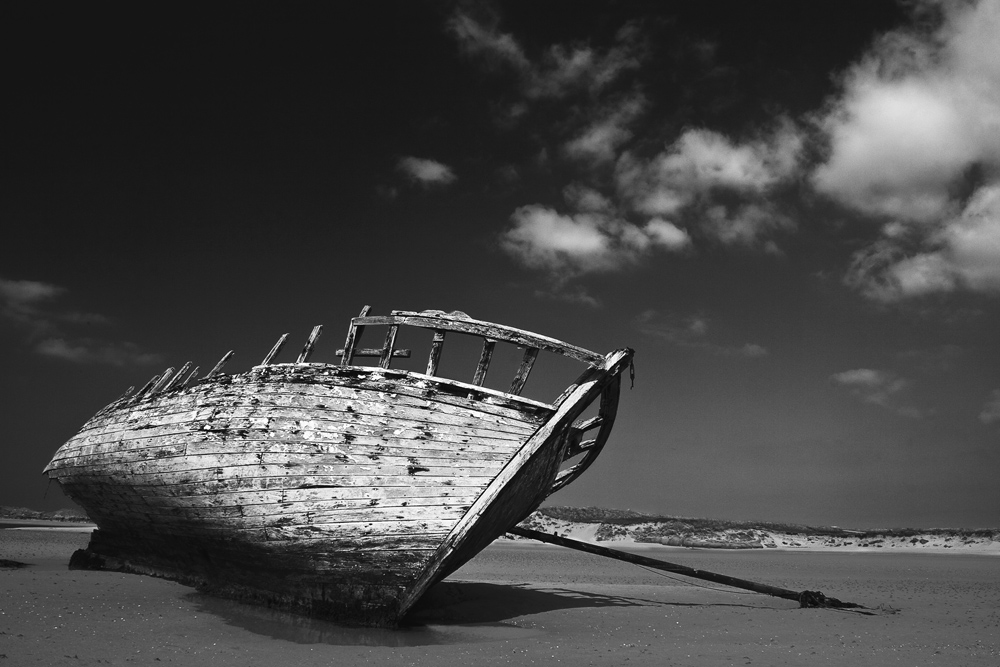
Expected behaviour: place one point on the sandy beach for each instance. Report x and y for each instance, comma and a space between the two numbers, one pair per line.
522, 603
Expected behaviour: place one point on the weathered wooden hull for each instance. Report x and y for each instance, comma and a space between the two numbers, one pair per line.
336, 491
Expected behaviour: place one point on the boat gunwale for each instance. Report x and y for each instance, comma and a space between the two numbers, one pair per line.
436, 379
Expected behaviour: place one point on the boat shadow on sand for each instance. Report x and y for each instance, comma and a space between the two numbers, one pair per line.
452, 612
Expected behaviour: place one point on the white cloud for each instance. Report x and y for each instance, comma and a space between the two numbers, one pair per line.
690, 332
746, 224
20, 301
26, 305
702, 160
666, 234
485, 40
87, 351
991, 410
914, 138
27, 291
627, 206
542, 238
567, 245
861, 377
426, 172
962, 252
701, 169
896, 149
601, 140
586, 199
569, 293
876, 387
559, 71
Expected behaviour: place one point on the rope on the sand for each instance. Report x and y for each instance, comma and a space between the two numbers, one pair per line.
695, 584
846, 607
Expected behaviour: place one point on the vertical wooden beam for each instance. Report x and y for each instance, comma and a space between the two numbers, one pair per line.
177, 376
307, 350
437, 346
390, 343
484, 362
353, 336
274, 350
527, 362
217, 368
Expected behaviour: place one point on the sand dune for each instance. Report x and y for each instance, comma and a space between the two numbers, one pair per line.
703, 533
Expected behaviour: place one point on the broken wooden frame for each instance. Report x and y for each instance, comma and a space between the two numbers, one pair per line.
441, 323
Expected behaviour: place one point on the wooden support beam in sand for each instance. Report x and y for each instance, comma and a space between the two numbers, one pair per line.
804, 598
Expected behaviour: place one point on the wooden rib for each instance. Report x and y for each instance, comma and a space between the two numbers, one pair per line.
145, 388
484, 362
177, 376
437, 346
530, 355
274, 350
192, 376
607, 410
162, 381
576, 448
217, 368
588, 424
390, 342
354, 332
307, 350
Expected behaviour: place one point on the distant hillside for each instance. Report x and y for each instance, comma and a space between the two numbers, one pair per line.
25, 514
672, 524
596, 524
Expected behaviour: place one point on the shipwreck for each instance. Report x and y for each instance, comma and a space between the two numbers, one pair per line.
335, 490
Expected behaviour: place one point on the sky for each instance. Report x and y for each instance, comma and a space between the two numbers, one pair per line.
790, 210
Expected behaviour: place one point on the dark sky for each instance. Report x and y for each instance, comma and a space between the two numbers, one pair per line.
790, 210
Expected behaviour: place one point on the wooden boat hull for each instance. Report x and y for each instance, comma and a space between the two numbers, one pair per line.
335, 491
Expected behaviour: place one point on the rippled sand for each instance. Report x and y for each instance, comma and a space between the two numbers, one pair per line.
523, 604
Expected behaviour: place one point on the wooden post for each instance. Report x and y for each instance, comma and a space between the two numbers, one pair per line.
177, 376
308, 349
437, 346
191, 377
353, 335
484, 362
274, 350
217, 368
390, 342
145, 388
167, 374
804, 598
517, 385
